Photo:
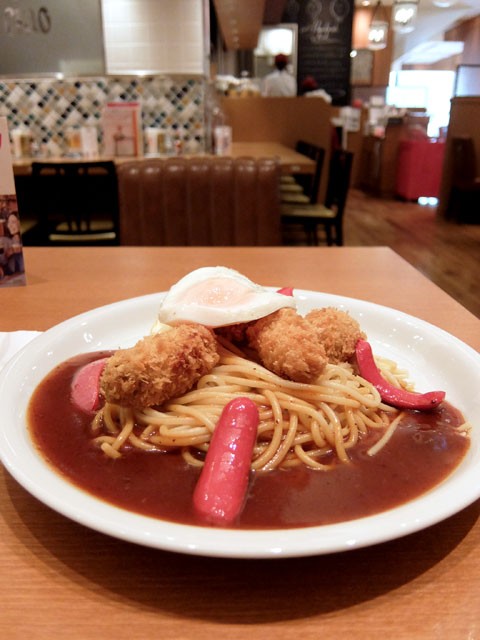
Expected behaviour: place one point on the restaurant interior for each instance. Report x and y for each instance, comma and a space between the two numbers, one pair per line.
240, 332
193, 86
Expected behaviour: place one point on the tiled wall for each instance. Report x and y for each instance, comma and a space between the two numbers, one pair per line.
155, 54
48, 107
154, 36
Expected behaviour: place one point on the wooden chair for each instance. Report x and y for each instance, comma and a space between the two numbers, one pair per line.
303, 189
300, 147
200, 201
464, 201
329, 214
74, 203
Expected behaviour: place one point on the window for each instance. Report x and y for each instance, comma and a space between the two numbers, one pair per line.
431, 90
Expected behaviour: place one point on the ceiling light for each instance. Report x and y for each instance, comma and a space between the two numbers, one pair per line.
444, 4
378, 30
404, 15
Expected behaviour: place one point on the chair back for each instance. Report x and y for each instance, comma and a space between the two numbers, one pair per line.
311, 184
339, 175
199, 201
303, 147
75, 202
464, 162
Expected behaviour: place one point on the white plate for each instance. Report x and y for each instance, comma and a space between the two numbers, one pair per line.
435, 360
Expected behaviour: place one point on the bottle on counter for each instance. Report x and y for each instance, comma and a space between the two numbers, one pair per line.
22, 140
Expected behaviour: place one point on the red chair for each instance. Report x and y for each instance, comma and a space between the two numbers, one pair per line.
419, 169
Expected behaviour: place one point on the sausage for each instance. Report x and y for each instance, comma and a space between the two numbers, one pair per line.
220, 492
85, 387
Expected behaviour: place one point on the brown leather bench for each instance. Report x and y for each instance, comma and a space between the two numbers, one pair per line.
199, 201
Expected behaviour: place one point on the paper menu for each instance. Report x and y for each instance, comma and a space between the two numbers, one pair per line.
12, 270
122, 129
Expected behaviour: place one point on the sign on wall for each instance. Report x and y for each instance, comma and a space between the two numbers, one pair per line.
54, 36
324, 44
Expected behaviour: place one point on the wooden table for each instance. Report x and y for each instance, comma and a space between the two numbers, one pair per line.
61, 580
290, 160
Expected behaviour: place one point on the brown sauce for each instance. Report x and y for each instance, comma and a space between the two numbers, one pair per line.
423, 451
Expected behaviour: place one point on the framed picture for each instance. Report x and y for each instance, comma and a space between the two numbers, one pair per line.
361, 69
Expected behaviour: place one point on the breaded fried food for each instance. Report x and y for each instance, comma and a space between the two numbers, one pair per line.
236, 333
286, 345
337, 331
159, 367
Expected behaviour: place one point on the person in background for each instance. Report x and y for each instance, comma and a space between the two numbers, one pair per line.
310, 89
280, 82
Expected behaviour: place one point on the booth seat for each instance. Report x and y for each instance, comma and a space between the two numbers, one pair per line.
199, 201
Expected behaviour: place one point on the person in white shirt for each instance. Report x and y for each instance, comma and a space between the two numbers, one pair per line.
309, 88
280, 82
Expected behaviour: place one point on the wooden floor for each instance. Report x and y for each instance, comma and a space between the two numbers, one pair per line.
446, 252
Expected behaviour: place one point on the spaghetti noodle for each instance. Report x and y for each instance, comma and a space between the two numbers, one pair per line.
309, 424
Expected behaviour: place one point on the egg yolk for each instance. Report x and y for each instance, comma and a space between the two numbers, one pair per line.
218, 292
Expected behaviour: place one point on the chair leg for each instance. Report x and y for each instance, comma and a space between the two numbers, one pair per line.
306, 228
328, 231
311, 233
339, 234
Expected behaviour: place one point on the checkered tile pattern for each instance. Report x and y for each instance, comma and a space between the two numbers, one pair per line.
48, 107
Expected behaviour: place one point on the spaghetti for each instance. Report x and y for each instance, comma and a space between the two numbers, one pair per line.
308, 424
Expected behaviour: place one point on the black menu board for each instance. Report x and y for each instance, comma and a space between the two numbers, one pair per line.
324, 44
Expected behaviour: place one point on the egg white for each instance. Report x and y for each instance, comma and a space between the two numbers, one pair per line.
219, 296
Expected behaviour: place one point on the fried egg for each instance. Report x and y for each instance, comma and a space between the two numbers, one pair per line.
217, 297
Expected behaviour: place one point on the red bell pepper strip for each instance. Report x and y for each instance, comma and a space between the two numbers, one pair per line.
220, 492
390, 394
286, 291
85, 387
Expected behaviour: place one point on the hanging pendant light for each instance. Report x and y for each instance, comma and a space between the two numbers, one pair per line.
378, 31
404, 15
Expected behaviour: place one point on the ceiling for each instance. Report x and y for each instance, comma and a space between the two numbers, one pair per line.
426, 44
240, 23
